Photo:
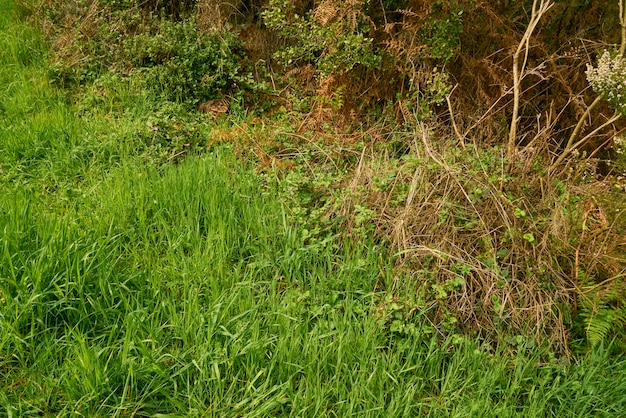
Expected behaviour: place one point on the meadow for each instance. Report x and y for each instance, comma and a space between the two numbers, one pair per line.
134, 283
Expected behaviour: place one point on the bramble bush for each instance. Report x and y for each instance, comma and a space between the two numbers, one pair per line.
181, 64
334, 35
168, 53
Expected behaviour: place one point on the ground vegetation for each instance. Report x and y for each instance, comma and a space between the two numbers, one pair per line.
312, 208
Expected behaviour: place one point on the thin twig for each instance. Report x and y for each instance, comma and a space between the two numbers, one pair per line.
456, 128
569, 148
622, 21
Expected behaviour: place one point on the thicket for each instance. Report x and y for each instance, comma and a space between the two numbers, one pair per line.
480, 139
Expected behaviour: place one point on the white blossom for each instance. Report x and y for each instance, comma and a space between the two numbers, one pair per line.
619, 144
608, 80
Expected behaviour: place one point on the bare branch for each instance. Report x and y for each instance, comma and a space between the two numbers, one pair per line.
540, 7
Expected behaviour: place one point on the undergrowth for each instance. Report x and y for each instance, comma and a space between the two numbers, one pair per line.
491, 251
158, 260
497, 244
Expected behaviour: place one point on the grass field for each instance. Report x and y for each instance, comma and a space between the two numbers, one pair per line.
130, 286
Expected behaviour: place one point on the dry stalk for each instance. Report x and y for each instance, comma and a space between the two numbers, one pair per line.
424, 132
570, 146
460, 137
540, 7
622, 22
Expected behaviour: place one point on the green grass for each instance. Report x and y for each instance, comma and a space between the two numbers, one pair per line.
184, 291
130, 286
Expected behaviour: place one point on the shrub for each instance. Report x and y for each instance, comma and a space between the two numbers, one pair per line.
176, 61
181, 64
334, 35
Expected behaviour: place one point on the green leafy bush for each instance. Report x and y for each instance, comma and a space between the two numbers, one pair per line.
334, 35
169, 7
167, 51
442, 31
181, 64
86, 39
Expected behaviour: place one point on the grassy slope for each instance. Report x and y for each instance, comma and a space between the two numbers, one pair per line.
128, 288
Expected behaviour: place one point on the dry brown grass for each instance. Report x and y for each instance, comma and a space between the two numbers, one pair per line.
526, 245
214, 14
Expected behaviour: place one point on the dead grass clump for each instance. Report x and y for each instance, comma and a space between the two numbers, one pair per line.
215, 14
495, 251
